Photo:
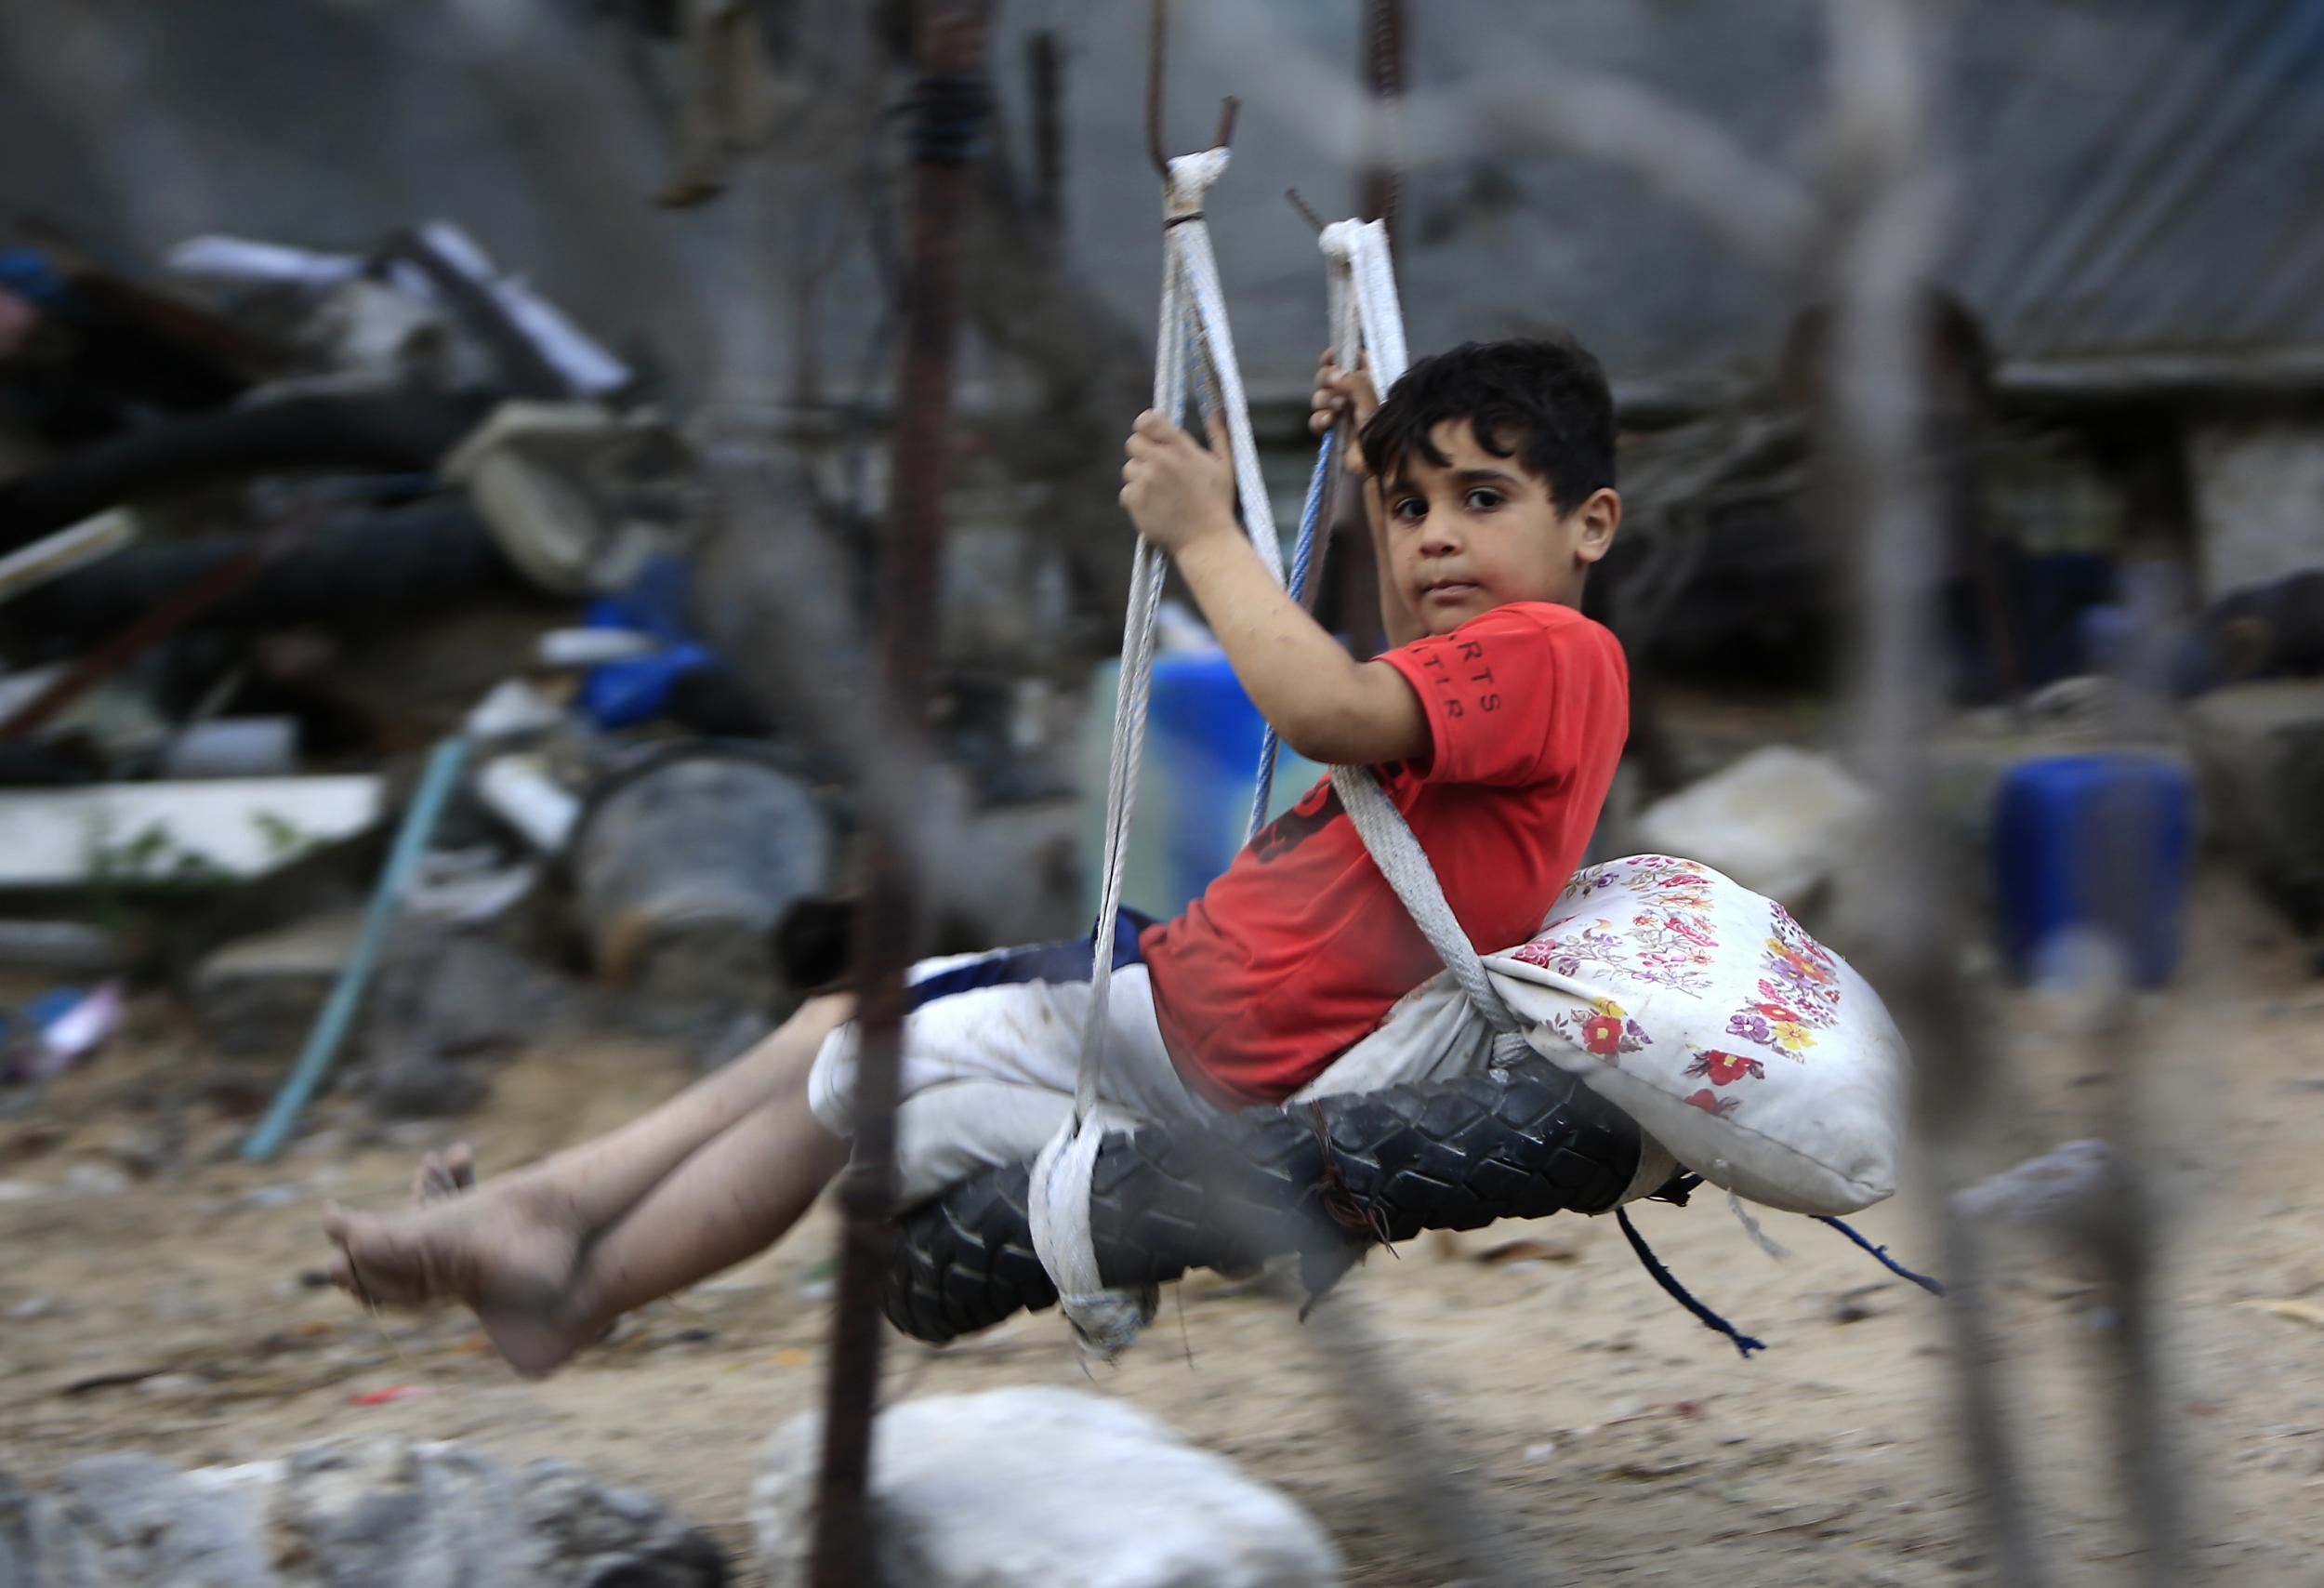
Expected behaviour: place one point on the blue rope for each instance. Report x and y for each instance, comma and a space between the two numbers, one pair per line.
1662, 1277
1311, 517
1880, 1253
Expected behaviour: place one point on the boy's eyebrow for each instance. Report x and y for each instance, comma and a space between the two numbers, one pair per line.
1484, 477
1462, 479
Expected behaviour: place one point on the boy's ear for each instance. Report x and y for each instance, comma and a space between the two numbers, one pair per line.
1597, 519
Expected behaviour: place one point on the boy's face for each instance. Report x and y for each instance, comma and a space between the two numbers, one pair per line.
1480, 532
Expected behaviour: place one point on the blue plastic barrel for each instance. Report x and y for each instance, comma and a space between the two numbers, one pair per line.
2099, 843
1194, 791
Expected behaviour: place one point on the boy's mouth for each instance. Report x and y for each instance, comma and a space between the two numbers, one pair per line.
1448, 589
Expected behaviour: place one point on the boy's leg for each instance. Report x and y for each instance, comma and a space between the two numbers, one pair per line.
515, 1243
735, 1197
594, 1184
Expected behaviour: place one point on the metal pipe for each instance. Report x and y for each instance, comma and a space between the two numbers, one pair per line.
329, 1031
951, 103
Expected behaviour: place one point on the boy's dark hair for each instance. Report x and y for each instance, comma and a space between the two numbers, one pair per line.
1540, 400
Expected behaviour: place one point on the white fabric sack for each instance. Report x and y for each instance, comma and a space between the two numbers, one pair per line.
1756, 1055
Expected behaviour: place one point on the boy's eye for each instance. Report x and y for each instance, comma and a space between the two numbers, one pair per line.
1482, 499
1408, 510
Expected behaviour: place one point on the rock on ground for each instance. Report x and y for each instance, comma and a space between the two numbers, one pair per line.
257, 997
379, 1513
1779, 821
1030, 1488
2260, 750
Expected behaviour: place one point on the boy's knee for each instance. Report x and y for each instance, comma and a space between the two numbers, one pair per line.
785, 1056
802, 1036
822, 1014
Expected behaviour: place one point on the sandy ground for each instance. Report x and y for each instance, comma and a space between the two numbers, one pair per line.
156, 1294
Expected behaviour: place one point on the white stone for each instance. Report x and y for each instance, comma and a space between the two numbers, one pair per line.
2257, 487
1029, 1488
1779, 821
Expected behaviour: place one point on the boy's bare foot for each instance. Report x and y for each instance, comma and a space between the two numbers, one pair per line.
444, 1175
506, 1253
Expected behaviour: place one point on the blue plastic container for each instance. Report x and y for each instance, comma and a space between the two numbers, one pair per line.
1196, 783
2095, 842
637, 689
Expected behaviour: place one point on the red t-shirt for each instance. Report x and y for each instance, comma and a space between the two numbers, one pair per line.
1300, 948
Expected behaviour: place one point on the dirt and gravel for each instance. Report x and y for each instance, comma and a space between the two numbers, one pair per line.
158, 1294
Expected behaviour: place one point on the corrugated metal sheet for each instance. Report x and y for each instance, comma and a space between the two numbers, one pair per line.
2137, 175
2179, 193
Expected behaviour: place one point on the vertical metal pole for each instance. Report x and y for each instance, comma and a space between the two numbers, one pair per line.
1045, 70
1888, 219
951, 100
1384, 81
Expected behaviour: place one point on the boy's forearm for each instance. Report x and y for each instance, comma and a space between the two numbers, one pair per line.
1279, 652
1321, 701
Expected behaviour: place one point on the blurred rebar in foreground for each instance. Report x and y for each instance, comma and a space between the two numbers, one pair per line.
950, 109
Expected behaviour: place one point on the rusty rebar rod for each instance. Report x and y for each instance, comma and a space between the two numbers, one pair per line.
1157, 36
1383, 183
1045, 75
951, 106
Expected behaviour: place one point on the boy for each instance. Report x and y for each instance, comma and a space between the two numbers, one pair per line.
1494, 721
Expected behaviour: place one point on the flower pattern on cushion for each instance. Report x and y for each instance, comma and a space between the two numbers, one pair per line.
1799, 995
1606, 1031
1774, 1026
1668, 946
1804, 967
1728, 983
1725, 1069
1670, 938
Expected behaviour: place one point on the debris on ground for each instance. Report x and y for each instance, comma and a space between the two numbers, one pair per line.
339, 509
184, 834
60, 1028
382, 1510
257, 995
685, 865
65, 945
1026, 1486
2259, 751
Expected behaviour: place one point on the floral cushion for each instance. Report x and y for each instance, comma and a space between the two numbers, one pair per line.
1755, 1054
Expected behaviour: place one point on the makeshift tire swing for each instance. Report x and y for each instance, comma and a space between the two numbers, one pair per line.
1323, 1180
1664, 1027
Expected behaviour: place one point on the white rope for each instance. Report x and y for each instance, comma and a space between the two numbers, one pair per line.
1360, 247
1193, 316
1367, 318
1404, 864
1367, 322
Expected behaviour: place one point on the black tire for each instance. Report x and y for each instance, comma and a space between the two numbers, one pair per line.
360, 574
1324, 1179
387, 432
